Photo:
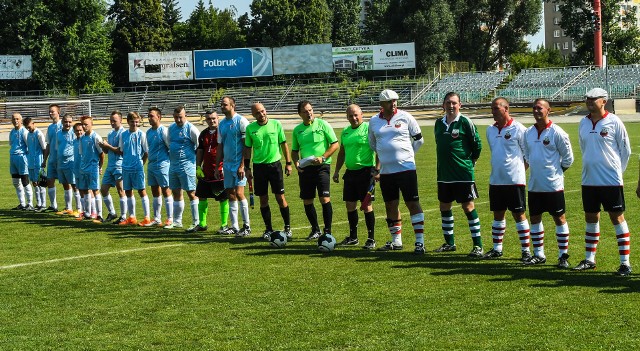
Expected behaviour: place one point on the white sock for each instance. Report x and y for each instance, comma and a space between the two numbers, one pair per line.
145, 206
28, 190
98, 203
244, 208
17, 183
233, 214
108, 201
168, 204
68, 197
194, 211
89, 205
178, 208
123, 207
78, 200
131, 206
40, 198
157, 208
52, 197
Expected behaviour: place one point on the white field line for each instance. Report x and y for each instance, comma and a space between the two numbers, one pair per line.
55, 260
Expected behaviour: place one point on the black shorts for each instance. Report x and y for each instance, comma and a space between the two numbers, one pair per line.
211, 189
507, 197
265, 174
392, 184
610, 197
314, 178
356, 184
459, 192
551, 202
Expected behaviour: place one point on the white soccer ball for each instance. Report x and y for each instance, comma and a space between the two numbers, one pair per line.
278, 239
326, 243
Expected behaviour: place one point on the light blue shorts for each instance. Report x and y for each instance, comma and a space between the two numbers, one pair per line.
158, 177
89, 180
66, 176
18, 164
111, 176
52, 169
34, 174
133, 180
182, 180
231, 179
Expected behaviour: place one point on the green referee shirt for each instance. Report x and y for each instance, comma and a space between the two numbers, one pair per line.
457, 145
314, 139
357, 152
265, 141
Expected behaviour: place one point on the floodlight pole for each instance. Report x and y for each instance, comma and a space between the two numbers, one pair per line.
597, 34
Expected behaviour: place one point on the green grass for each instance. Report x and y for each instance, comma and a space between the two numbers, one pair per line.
100, 287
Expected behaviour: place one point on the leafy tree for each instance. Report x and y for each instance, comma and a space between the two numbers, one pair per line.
210, 28
139, 27
374, 29
539, 58
171, 15
618, 29
289, 22
345, 23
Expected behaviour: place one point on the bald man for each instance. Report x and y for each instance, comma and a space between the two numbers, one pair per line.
265, 137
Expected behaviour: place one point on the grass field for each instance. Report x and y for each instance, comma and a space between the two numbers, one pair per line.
66, 285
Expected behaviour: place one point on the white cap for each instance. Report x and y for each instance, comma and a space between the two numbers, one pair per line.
388, 95
597, 93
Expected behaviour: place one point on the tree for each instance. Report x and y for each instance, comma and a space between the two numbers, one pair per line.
374, 29
210, 28
171, 15
289, 22
618, 28
139, 27
540, 58
345, 23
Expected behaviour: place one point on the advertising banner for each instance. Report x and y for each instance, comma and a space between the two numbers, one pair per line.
160, 66
301, 59
374, 57
233, 63
15, 67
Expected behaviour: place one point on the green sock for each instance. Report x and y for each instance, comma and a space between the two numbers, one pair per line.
203, 209
474, 227
447, 227
224, 212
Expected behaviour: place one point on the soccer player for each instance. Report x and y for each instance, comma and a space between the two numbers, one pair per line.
79, 132
395, 136
183, 142
266, 137
51, 154
132, 145
314, 141
231, 134
458, 146
18, 164
36, 146
113, 174
507, 182
605, 148
208, 186
158, 167
91, 161
548, 151
360, 162
66, 177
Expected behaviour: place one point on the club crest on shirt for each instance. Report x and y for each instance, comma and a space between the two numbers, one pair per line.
546, 141
604, 132
398, 125
455, 133
507, 135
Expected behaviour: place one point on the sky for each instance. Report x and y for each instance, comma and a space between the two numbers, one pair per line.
242, 6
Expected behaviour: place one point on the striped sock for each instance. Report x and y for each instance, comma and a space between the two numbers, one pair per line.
537, 237
624, 244
395, 229
591, 239
474, 227
417, 221
447, 227
524, 235
497, 233
562, 236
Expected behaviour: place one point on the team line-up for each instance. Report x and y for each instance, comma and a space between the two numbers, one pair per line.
216, 163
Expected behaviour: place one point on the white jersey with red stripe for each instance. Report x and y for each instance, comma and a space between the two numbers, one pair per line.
393, 140
507, 153
548, 152
605, 150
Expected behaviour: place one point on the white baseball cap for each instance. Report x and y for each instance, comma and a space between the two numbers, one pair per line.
388, 95
597, 93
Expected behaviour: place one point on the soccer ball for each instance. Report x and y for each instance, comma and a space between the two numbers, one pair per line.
326, 243
278, 239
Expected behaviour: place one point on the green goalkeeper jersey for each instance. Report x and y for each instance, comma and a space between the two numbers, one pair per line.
457, 146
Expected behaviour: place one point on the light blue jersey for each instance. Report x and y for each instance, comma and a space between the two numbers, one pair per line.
36, 146
115, 160
158, 148
183, 142
133, 146
90, 151
18, 141
65, 148
76, 157
231, 135
52, 133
